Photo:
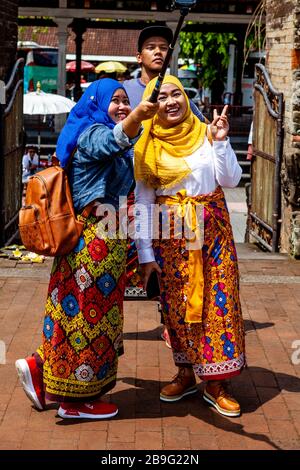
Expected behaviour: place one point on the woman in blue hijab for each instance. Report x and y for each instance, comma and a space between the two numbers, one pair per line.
82, 334
90, 109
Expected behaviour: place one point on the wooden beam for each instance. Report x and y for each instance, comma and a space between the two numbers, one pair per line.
138, 25
164, 16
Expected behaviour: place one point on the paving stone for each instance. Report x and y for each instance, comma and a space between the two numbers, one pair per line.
268, 389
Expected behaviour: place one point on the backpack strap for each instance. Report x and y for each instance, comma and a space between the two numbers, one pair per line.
87, 210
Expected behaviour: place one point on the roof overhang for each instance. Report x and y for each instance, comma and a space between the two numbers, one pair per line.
159, 16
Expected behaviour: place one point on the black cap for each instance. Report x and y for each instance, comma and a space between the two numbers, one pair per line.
150, 31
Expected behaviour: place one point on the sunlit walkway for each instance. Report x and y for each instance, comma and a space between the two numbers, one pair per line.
268, 390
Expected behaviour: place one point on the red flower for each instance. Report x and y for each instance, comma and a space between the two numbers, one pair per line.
61, 369
100, 345
91, 295
97, 249
92, 313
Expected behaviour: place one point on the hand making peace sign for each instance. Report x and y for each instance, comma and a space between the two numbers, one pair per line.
219, 126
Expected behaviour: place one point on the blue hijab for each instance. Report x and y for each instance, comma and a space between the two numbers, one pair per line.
92, 108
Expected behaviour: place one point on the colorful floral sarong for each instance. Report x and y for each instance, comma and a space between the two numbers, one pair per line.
215, 346
82, 334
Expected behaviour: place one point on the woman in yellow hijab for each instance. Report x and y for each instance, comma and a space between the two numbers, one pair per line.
161, 148
180, 166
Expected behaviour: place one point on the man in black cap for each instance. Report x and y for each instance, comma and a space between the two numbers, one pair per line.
153, 44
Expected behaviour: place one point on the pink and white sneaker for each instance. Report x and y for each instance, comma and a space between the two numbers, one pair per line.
94, 410
31, 378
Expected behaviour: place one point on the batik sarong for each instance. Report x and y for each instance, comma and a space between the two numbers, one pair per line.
82, 334
215, 345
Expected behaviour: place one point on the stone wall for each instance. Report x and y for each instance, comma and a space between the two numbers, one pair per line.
283, 65
8, 36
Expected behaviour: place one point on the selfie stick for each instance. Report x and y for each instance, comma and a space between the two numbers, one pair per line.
184, 9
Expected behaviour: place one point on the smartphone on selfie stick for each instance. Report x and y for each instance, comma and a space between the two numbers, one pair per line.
184, 7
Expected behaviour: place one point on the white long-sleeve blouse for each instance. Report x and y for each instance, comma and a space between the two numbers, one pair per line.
211, 165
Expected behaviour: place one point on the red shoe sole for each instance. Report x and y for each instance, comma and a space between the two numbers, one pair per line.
26, 382
64, 414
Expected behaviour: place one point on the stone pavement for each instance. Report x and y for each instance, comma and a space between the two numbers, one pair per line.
236, 203
268, 390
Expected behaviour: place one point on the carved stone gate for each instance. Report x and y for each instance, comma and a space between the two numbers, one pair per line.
264, 208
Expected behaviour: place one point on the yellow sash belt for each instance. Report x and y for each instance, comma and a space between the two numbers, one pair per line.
187, 208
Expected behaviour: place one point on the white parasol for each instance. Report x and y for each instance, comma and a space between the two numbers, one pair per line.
40, 103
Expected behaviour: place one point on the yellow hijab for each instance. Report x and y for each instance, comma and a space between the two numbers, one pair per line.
158, 154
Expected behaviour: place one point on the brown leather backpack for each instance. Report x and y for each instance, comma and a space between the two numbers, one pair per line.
47, 223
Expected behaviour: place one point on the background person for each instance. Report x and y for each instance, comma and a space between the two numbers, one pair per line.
82, 334
178, 164
250, 143
30, 163
153, 44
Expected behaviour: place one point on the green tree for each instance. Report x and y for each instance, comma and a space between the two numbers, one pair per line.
210, 50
